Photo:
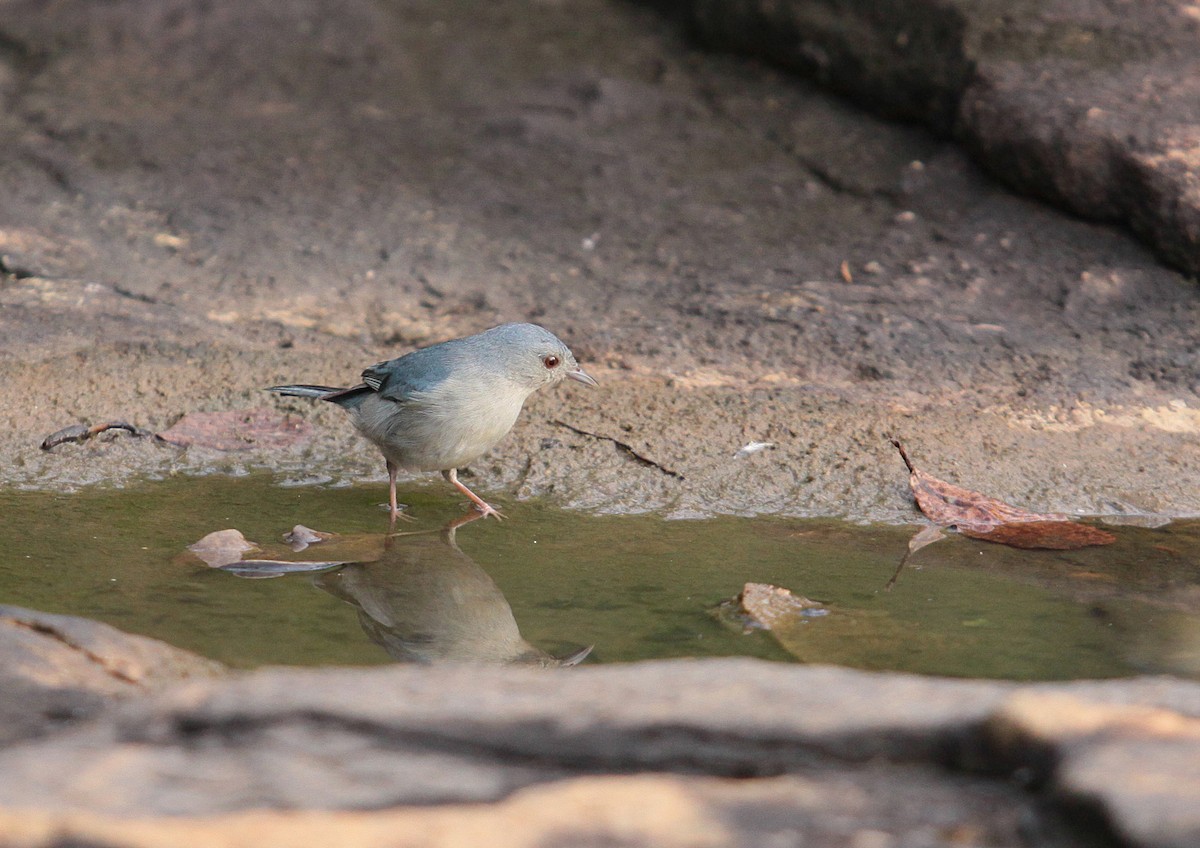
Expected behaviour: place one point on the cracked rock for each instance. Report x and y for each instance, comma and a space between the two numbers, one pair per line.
56, 669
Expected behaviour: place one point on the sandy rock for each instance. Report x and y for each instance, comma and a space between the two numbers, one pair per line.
355, 738
55, 669
637, 753
662, 810
1137, 762
308, 189
844, 751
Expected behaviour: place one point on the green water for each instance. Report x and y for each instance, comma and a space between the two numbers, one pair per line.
634, 587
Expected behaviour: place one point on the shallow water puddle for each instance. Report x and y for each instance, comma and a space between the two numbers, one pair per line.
548, 583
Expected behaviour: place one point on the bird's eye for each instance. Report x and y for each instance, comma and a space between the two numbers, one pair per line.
550, 361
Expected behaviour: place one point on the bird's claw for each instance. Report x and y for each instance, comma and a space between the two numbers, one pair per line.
487, 509
397, 513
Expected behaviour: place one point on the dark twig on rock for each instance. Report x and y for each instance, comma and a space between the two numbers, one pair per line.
83, 432
903, 454
627, 448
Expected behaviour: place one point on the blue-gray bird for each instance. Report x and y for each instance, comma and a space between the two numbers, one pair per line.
444, 406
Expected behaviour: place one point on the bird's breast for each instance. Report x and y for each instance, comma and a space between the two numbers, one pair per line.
446, 427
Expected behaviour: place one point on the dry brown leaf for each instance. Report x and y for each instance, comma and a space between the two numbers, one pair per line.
237, 429
980, 517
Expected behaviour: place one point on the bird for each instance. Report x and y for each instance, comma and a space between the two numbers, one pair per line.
441, 407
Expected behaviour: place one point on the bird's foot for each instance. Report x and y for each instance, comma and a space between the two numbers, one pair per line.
487, 509
397, 513
451, 475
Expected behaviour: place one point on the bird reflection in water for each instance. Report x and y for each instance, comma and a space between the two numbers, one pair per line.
425, 601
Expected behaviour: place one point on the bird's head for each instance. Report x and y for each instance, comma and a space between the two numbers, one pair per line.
532, 356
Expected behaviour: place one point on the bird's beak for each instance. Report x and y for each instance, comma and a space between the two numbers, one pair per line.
582, 376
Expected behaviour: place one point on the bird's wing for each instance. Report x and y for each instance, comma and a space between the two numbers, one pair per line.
419, 371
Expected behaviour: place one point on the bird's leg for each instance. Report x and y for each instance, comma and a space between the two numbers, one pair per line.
393, 507
483, 506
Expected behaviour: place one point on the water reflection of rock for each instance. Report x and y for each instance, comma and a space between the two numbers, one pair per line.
425, 601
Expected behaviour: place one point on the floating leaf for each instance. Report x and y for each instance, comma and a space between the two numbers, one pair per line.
980, 517
300, 537
222, 547
233, 429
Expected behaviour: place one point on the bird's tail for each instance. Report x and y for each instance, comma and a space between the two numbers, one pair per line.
318, 392
346, 398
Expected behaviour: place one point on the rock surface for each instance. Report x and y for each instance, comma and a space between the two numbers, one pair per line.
661, 810
203, 199
637, 753
1091, 105
58, 669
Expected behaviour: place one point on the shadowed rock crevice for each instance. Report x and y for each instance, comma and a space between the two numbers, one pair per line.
20, 61
905, 60
600, 749
1068, 101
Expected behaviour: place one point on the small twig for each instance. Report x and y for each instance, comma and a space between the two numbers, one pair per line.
82, 432
896, 444
627, 448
